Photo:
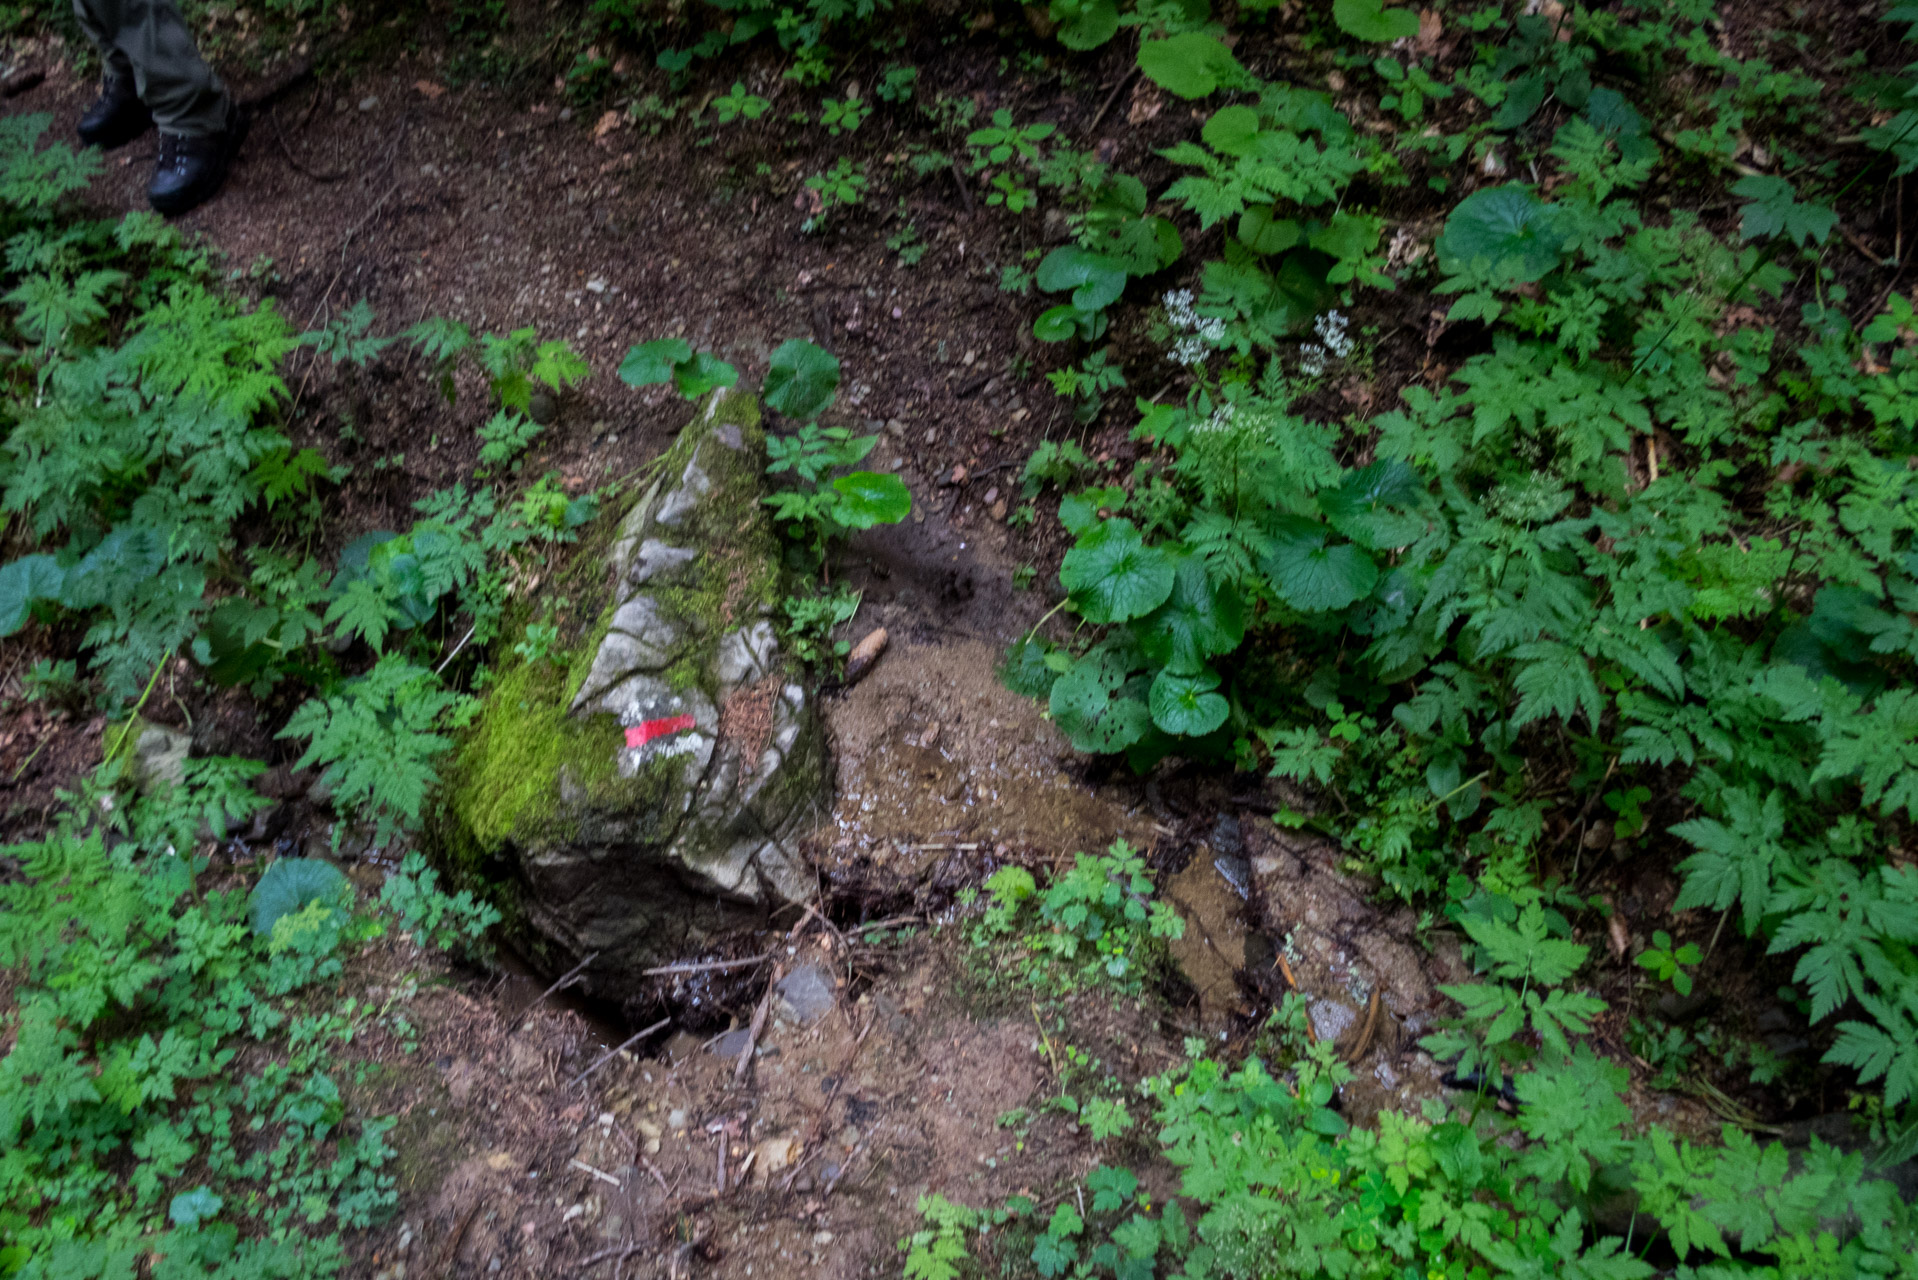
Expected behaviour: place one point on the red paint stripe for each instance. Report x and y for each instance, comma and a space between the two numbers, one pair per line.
645, 731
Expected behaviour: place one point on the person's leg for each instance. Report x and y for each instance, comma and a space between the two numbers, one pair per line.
100, 20
184, 94
118, 116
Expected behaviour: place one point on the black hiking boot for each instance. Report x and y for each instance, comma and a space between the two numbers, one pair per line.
191, 169
117, 118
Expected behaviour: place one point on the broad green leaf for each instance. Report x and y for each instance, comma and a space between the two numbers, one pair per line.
1349, 237
1523, 97
232, 647
1774, 208
1313, 576
1363, 507
704, 372
1088, 705
124, 560
867, 498
1058, 324
22, 583
1113, 576
1199, 620
1506, 228
1053, 1255
1186, 706
1232, 130
1190, 64
1085, 24
357, 555
190, 1208
651, 363
1096, 279
1260, 232
801, 379
1370, 20
1027, 668
1111, 1188
292, 884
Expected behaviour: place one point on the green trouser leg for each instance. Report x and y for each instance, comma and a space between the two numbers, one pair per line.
149, 41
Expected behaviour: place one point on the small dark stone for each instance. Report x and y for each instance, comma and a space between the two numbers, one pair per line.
1675, 1008
543, 407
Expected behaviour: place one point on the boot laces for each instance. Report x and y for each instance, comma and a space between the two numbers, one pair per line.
173, 151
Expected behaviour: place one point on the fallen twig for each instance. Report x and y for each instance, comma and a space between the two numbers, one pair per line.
449, 1252
620, 1251
21, 81
1365, 1032
1111, 98
710, 966
1311, 1036
294, 160
887, 924
608, 1056
456, 649
564, 980
599, 1174
959, 180
752, 1035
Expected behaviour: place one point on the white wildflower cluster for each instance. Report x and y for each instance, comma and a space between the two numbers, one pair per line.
1200, 334
1333, 344
1221, 419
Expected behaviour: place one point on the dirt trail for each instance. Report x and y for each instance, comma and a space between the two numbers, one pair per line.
469, 204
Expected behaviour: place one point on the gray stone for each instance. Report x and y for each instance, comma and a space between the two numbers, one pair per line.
659, 635
620, 654
747, 655
808, 994
159, 756
731, 1044
662, 563
644, 833
1332, 1018
694, 484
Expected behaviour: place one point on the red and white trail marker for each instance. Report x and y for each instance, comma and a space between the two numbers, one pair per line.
638, 735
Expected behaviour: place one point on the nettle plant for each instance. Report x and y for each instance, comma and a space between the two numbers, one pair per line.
175, 1083
818, 506
1633, 547
1541, 1169
140, 419
516, 367
1098, 918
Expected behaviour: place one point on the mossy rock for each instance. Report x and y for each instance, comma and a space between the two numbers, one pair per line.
651, 789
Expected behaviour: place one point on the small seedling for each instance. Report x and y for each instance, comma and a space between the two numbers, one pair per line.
1668, 964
